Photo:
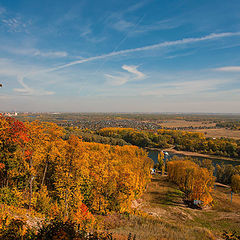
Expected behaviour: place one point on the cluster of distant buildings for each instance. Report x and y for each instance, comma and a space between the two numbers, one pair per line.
123, 123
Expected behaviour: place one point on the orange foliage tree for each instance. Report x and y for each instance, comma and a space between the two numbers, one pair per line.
194, 181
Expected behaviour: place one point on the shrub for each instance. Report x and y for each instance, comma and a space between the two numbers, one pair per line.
68, 230
43, 203
16, 230
9, 196
236, 183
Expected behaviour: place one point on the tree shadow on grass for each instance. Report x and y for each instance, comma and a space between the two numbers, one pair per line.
168, 193
170, 198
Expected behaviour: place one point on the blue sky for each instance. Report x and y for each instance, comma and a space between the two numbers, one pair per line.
120, 56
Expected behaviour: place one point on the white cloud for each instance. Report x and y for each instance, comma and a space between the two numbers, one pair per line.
26, 90
123, 25
86, 30
160, 25
8, 69
16, 24
180, 55
116, 80
134, 75
184, 41
185, 87
133, 70
36, 52
133, 29
50, 53
229, 69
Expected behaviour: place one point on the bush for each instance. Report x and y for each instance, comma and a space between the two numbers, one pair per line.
236, 183
16, 230
68, 230
43, 203
9, 196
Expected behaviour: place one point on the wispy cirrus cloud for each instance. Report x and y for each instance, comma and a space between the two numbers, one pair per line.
13, 22
26, 90
123, 25
133, 75
166, 44
35, 52
186, 87
57, 54
180, 55
121, 78
116, 80
11, 70
124, 21
228, 69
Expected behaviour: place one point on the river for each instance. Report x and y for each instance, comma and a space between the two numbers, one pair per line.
153, 154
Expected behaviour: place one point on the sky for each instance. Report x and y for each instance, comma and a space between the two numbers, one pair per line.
120, 56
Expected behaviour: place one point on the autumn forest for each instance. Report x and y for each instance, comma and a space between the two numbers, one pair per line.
50, 173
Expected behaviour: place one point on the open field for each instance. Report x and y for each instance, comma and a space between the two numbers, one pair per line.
169, 217
219, 132
202, 126
182, 123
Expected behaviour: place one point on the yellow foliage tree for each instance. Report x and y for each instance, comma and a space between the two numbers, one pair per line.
236, 183
194, 181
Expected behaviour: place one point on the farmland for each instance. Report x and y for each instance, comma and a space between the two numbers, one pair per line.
220, 132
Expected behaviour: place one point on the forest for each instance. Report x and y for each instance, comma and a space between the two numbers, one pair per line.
70, 179
67, 181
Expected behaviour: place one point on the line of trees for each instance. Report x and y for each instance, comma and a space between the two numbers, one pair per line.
180, 140
229, 125
88, 135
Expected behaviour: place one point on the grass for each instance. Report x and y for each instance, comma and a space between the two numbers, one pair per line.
154, 228
169, 218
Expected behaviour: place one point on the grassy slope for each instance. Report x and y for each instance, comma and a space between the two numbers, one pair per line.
170, 218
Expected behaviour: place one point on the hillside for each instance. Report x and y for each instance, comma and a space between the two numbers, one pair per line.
170, 218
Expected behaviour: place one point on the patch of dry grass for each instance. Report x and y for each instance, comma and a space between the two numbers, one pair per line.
169, 218
182, 123
214, 132
219, 132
